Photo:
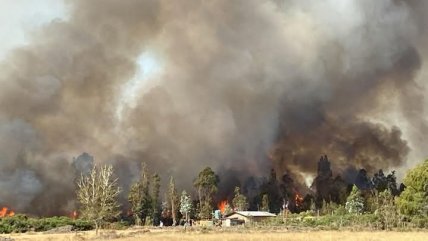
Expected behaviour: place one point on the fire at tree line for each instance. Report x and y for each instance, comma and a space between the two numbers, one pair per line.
378, 199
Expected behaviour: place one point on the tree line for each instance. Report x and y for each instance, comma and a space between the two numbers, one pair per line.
98, 192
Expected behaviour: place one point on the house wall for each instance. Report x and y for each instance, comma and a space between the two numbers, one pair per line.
239, 217
259, 219
247, 219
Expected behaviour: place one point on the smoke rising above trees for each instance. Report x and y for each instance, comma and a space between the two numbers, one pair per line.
245, 86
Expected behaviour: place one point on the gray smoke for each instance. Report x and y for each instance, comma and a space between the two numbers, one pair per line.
243, 86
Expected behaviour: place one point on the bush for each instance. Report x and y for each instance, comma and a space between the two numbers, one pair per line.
419, 222
16, 224
355, 202
22, 224
117, 225
82, 225
45, 224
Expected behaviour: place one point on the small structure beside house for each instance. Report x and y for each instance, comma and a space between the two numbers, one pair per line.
246, 217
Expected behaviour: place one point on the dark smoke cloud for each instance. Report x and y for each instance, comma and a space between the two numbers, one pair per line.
240, 81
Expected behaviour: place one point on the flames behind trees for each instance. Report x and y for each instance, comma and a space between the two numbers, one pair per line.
74, 214
6, 212
298, 200
222, 206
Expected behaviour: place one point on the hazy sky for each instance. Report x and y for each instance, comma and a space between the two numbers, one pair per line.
19, 17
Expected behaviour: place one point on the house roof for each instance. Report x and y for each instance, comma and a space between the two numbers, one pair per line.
252, 214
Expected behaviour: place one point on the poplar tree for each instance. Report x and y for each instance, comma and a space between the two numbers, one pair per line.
239, 201
155, 188
185, 205
265, 203
97, 194
139, 197
173, 200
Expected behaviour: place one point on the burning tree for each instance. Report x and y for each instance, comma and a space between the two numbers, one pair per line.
97, 194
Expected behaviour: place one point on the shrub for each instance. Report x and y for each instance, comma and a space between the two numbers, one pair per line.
413, 201
45, 224
22, 224
355, 202
16, 224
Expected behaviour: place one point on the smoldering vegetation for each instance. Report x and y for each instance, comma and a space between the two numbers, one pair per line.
244, 86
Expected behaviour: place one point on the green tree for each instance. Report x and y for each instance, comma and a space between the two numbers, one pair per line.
328, 208
355, 201
382, 182
265, 203
185, 205
97, 194
379, 181
272, 189
239, 201
206, 185
173, 200
206, 209
413, 201
156, 205
139, 197
387, 211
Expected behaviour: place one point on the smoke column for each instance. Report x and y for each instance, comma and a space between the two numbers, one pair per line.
241, 86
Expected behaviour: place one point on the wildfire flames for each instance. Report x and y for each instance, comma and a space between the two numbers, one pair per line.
73, 215
222, 206
298, 200
5, 212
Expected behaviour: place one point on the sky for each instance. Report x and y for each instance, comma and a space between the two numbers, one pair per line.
19, 17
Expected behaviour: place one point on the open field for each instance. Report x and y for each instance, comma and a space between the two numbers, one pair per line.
260, 235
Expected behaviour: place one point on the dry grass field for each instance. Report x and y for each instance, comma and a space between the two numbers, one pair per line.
248, 235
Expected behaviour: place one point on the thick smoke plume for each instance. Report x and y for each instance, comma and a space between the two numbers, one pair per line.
243, 86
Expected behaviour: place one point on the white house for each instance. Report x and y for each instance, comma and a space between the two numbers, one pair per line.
246, 217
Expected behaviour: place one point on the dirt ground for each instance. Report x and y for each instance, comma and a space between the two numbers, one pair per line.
224, 235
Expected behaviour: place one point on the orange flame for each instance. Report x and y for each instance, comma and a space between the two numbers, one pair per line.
298, 200
4, 212
74, 214
222, 206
